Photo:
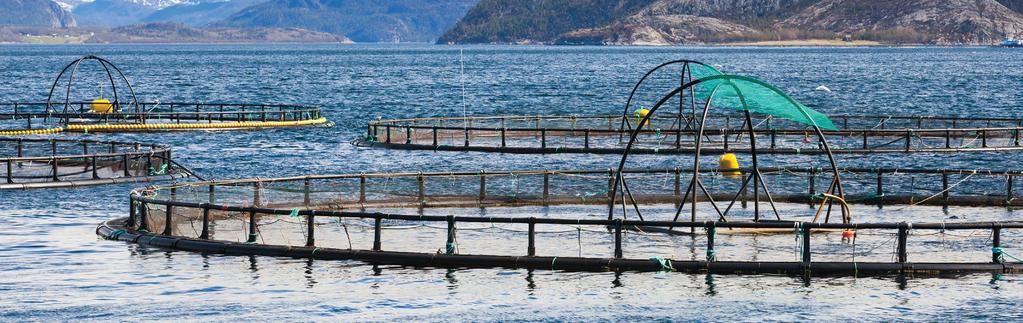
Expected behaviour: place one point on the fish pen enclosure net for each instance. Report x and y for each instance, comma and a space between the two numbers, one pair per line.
42, 163
562, 216
115, 107
31, 118
675, 134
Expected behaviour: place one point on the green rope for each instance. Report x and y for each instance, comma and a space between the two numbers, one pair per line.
162, 171
1001, 254
451, 248
294, 212
115, 234
664, 262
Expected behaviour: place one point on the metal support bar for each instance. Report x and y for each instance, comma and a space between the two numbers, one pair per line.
167, 227
903, 234
252, 227
806, 242
618, 238
483, 185
711, 232
531, 248
310, 229
450, 246
376, 233
205, 222
996, 244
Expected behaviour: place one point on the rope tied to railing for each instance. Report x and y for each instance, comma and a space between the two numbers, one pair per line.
1000, 255
664, 262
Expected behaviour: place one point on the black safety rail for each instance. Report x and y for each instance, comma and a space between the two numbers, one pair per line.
65, 162
600, 134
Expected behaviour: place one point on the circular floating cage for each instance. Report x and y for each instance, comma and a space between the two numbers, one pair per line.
724, 133
124, 113
50, 163
674, 129
557, 220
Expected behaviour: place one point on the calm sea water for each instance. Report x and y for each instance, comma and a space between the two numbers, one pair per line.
53, 267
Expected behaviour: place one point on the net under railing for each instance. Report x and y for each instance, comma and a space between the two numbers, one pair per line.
35, 161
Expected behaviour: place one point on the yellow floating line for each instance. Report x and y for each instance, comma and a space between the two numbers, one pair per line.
173, 126
31, 132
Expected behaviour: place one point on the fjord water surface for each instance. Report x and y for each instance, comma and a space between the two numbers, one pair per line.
53, 267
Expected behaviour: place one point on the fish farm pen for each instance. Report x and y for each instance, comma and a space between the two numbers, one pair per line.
126, 113
536, 219
772, 217
50, 163
603, 135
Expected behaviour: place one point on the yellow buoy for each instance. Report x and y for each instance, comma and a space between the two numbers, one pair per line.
729, 165
101, 106
640, 114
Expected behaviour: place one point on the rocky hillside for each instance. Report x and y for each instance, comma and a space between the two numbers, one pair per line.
941, 22
165, 32
718, 21
360, 20
43, 13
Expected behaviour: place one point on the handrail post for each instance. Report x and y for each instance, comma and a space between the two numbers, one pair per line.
168, 229
903, 234
465, 133
205, 222
387, 138
376, 233
421, 184
806, 243
434, 131
362, 188
212, 194
305, 191
586, 139
131, 212
618, 238
909, 136
56, 174
450, 246
127, 172
310, 229
10, 170
1008, 188
944, 187
483, 185
143, 217
531, 248
678, 186
504, 142
252, 226
95, 173
543, 138
996, 244
880, 186
711, 231
546, 187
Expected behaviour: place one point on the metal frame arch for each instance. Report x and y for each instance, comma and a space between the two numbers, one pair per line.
107, 65
618, 179
686, 71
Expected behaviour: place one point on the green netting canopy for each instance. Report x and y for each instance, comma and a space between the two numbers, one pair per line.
749, 94
701, 70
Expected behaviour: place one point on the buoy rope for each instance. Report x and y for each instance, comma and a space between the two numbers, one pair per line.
172, 126
31, 132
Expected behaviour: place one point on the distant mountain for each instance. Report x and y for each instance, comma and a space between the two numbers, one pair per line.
525, 21
44, 13
932, 21
165, 32
111, 13
360, 20
200, 14
701, 21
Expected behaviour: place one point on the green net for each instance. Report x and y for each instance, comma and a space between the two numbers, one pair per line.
749, 94
701, 70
